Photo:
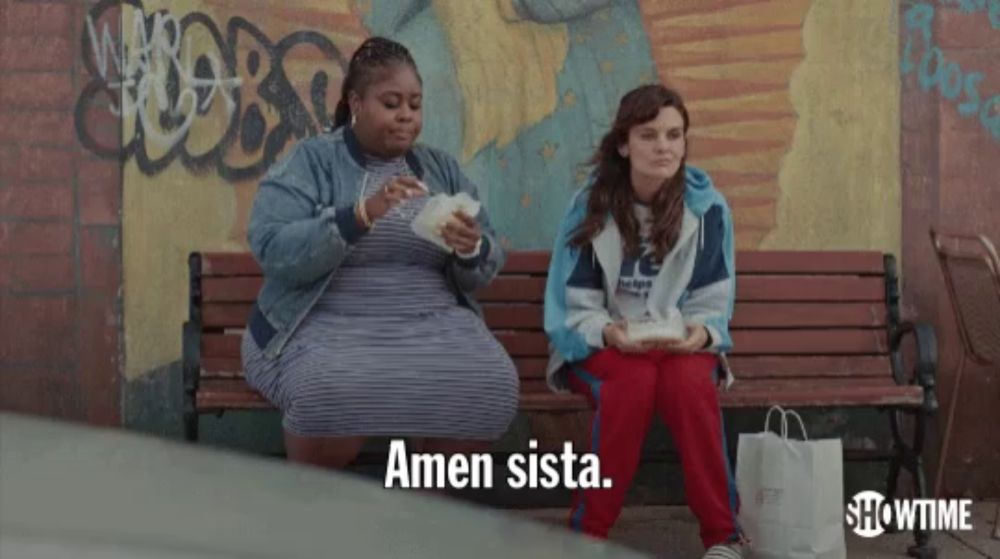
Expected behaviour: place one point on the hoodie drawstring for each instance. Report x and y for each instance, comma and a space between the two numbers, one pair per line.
701, 233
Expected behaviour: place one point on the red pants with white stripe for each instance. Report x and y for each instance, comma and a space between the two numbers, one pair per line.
625, 390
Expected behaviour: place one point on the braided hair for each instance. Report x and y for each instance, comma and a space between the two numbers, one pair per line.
375, 55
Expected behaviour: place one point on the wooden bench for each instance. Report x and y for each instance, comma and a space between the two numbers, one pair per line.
810, 329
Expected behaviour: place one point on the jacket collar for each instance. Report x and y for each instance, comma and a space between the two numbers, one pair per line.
354, 148
608, 251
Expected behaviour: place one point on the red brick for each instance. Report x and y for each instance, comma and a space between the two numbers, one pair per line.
918, 150
36, 202
100, 192
37, 90
54, 19
955, 28
918, 110
50, 128
35, 238
37, 329
100, 259
100, 125
36, 164
966, 146
100, 351
967, 206
38, 52
45, 391
37, 273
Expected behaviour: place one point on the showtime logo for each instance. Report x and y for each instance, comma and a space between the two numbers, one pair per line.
869, 513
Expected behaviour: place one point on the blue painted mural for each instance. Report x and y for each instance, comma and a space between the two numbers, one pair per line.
527, 90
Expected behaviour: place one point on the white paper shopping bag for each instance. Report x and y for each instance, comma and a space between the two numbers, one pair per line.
791, 493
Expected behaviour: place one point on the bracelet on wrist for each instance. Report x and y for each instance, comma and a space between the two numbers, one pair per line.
362, 212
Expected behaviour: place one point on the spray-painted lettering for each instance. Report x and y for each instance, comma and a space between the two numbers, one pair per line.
934, 70
186, 92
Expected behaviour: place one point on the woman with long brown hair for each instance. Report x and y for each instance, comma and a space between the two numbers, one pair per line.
648, 244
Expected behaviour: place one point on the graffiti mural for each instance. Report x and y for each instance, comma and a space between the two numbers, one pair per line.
209, 93
961, 86
215, 100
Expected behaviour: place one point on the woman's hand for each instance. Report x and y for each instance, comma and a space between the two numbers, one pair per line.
616, 336
462, 233
697, 337
392, 194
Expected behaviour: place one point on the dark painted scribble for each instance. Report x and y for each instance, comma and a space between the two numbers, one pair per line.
157, 82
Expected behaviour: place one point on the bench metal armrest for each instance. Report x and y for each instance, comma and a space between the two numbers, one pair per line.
925, 370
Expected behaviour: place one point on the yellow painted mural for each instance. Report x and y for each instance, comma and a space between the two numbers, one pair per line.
794, 106
840, 182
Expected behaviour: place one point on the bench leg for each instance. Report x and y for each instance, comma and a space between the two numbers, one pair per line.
909, 457
996, 524
190, 422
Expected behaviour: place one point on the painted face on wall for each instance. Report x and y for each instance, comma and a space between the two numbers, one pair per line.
389, 116
655, 149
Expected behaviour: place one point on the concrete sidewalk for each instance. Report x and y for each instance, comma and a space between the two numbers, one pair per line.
672, 532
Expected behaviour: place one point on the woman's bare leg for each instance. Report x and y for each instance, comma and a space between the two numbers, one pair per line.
326, 452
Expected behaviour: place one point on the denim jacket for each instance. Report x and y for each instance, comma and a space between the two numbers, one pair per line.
302, 226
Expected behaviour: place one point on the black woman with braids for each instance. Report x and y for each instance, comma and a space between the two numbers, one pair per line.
362, 328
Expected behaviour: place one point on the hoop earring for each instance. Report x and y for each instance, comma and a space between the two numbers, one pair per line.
354, 119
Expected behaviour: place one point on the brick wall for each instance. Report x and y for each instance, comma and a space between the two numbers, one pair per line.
60, 226
950, 162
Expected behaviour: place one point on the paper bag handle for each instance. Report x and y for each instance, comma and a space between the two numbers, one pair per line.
784, 421
784, 424
767, 418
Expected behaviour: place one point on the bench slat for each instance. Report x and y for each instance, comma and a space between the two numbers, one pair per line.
513, 316
800, 366
809, 342
810, 288
553, 402
815, 315
524, 344
745, 342
526, 289
534, 386
229, 394
231, 289
513, 289
225, 315
229, 264
220, 345
524, 316
810, 262
521, 316
820, 393
537, 262
527, 262
232, 367
744, 367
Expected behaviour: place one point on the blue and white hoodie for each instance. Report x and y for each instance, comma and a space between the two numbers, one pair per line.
696, 276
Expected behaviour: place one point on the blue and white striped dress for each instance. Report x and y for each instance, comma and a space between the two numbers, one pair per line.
387, 350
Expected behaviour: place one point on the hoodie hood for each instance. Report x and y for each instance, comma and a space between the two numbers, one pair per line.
699, 191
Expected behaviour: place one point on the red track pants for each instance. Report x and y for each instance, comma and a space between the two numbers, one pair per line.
625, 390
